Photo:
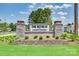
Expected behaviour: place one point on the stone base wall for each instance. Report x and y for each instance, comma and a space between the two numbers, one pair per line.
43, 34
40, 42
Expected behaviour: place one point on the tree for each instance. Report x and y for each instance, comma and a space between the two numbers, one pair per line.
4, 27
41, 16
12, 26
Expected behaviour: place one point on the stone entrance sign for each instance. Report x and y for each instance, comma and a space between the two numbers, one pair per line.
20, 29
58, 28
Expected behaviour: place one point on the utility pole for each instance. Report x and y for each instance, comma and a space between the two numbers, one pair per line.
75, 18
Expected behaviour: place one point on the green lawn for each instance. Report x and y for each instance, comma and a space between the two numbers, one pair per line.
37, 50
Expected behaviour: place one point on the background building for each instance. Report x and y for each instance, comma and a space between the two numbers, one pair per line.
69, 28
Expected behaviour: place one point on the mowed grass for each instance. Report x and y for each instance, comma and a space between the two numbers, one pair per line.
39, 50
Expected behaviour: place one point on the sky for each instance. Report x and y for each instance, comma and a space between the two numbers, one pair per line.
11, 12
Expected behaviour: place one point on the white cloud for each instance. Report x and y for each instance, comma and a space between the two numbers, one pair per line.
34, 3
23, 12
45, 6
62, 13
62, 17
58, 7
30, 10
62, 6
49, 6
31, 6
67, 5
40, 7
53, 12
12, 15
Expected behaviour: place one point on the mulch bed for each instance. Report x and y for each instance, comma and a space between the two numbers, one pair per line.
40, 42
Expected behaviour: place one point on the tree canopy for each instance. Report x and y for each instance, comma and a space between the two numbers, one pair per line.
12, 26
4, 26
40, 16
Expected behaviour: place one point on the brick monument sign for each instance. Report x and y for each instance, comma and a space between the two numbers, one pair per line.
20, 29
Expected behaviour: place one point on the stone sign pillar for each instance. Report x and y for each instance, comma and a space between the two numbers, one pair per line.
20, 29
58, 28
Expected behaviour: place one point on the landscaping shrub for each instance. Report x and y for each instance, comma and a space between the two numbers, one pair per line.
26, 37
57, 37
47, 36
63, 36
77, 38
35, 37
1, 38
9, 38
74, 37
71, 36
11, 41
40, 38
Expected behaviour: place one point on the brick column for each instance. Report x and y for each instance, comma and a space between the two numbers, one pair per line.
20, 30
58, 28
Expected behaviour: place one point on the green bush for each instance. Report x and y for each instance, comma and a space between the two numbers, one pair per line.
64, 36
47, 36
35, 37
26, 37
40, 38
1, 39
74, 37
57, 37
77, 38
8, 38
71, 36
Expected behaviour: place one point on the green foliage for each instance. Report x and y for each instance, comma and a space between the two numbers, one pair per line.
57, 37
64, 36
47, 36
9, 38
26, 37
1, 38
35, 37
12, 26
74, 37
71, 36
40, 38
4, 27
